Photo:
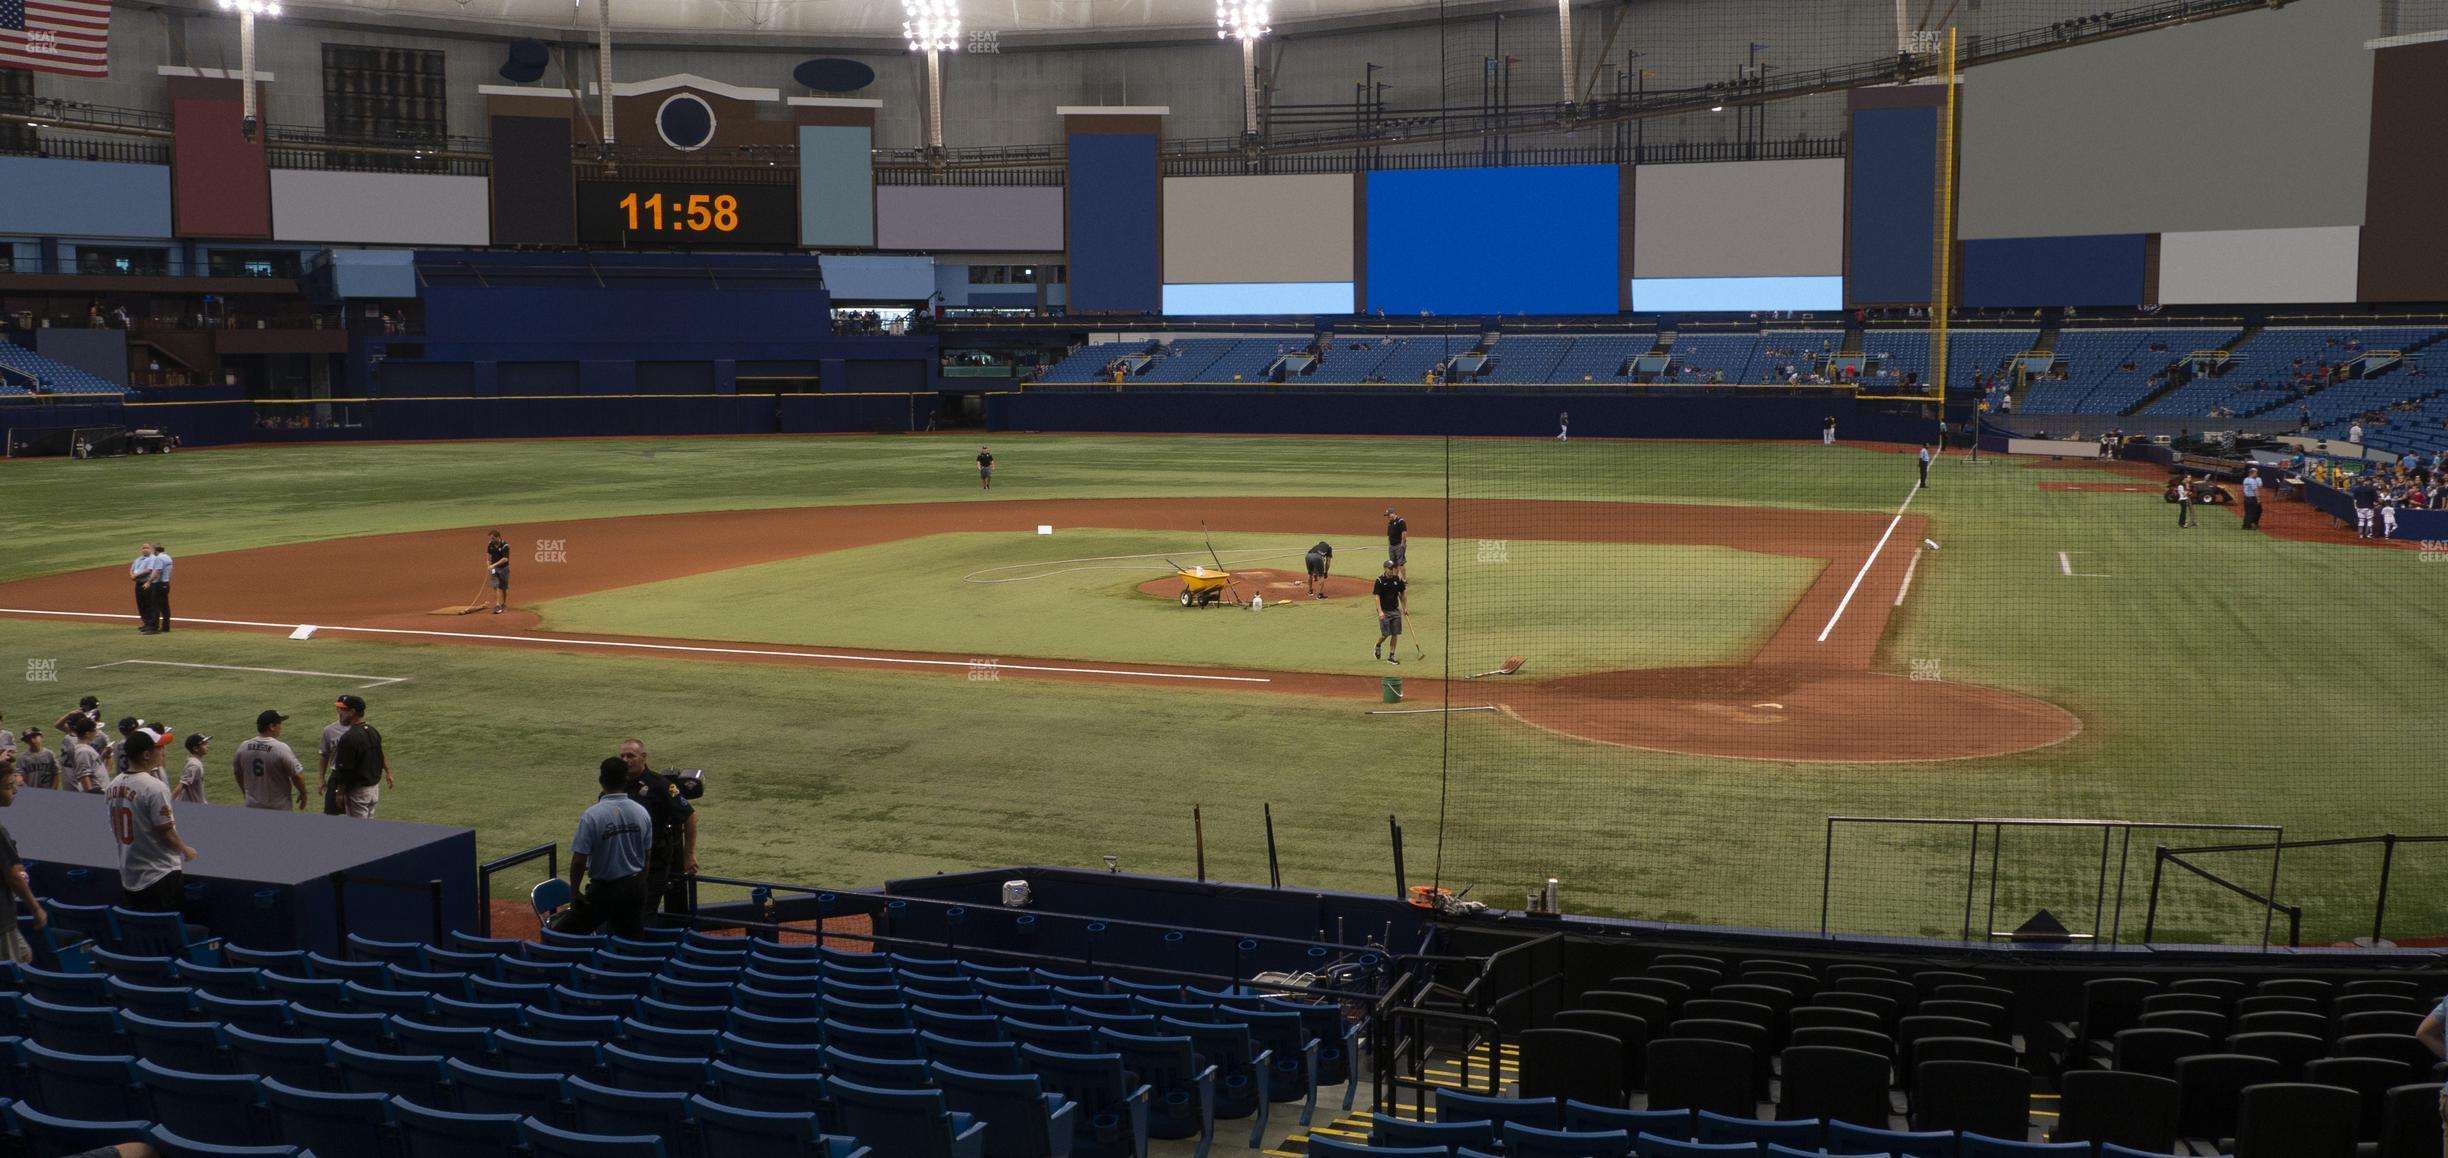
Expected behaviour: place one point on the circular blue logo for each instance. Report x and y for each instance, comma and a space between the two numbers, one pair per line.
686, 122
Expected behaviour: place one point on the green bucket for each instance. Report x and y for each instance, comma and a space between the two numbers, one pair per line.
1392, 686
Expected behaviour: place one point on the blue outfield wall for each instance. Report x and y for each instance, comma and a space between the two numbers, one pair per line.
1384, 411
223, 423
2024, 272
1116, 241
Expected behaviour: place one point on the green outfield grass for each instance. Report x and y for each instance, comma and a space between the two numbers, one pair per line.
1076, 595
2220, 678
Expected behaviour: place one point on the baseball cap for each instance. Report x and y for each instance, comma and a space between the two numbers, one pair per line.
197, 741
141, 742
88, 704
352, 703
1389, 564
29, 733
1389, 510
267, 718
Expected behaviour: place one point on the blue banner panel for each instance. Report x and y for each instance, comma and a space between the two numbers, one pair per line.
55, 198
1242, 298
1494, 241
1894, 178
1116, 251
2105, 270
837, 186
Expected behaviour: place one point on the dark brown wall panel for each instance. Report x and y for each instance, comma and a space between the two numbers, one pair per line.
219, 183
2405, 235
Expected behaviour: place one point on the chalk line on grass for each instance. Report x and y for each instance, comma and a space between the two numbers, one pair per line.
2065, 563
685, 649
1864, 573
1909, 568
372, 681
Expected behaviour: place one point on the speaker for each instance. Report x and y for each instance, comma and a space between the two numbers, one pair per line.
833, 74
525, 62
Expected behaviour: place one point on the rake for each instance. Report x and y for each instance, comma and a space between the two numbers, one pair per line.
1512, 664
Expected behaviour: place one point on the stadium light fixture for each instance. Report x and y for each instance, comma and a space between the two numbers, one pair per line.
934, 28
247, 11
1245, 21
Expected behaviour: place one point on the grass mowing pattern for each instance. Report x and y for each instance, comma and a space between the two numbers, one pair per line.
2221, 677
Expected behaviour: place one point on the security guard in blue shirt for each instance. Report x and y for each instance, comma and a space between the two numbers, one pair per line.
614, 838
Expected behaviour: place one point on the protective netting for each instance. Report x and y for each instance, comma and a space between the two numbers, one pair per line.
1721, 646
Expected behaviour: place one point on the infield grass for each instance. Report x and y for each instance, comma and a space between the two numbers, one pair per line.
2220, 678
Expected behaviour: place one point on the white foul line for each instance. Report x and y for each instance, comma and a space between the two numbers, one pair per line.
2065, 564
673, 647
1858, 576
372, 680
1909, 568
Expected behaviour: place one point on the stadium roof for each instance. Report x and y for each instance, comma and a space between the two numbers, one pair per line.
836, 19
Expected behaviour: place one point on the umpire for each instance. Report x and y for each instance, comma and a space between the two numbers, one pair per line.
675, 831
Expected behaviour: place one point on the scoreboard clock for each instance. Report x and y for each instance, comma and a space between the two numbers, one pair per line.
653, 213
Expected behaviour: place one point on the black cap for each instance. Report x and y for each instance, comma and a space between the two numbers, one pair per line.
129, 724
266, 718
197, 741
140, 743
29, 733
89, 703
353, 703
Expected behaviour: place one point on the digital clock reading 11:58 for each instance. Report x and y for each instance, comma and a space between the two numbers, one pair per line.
651, 213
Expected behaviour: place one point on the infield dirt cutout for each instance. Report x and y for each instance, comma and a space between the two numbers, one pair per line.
1800, 697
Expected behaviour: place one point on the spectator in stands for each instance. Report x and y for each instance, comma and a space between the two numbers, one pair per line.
614, 838
2354, 434
19, 892
152, 858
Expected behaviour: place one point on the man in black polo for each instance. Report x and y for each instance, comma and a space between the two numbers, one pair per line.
1392, 601
497, 571
359, 770
1398, 544
674, 854
1321, 561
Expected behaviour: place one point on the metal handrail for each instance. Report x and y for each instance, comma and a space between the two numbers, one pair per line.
549, 850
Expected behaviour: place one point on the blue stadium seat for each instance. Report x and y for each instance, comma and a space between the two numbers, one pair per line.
225, 1109
965, 1026
480, 1090
453, 1012
48, 1133
63, 988
1295, 1054
553, 954
75, 922
96, 1087
1051, 1035
1663, 1123
873, 1041
1143, 1024
290, 961
326, 1123
1320, 1144
570, 1000
407, 980
983, 972
1652, 1146
497, 947
755, 995
408, 953
1036, 992
1522, 1140
512, 969
374, 998
682, 968
916, 1123
143, 970
171, 1002
782, 1057
771, 1091
195, 1046
548, 1141
981, 1057
1981, 1146
422, 1037
590, 979
891, 1072
313, 992
656, 1039
692, 993
1388, 1132
644, 1071
1021, 1119
671, 1015
1113, 1108
370, 973
170, 1144
485, 991
91, 1029
781, 1030
417, 1077
1715, 1127
1244, 1072
1182, 1103
543, 1024
429, 1133
601, 1109
1849, 1138
303, 1062
1456, 1106
473, 965
260, 1014
1336, 1041
529, 1055
164, 935
240, 982
737, 1133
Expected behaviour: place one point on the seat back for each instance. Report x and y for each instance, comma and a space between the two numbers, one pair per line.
1572, 1063
2371, 1078
490, 1091
1456, 1106
1387, 1133
2210, 1089
150, 934
1700, 1074
1833, 1083
1527, 1141
223, 1109
417, 1077
736, 1133
764, 1090
2124, 1109
2153, 1050
601, 1109
1973, 1097
185, 1045
2297, 1120
325, 1123
429, 1133
2411, 1122
299, 1061
96, 1087
1014, 1108
548, 1141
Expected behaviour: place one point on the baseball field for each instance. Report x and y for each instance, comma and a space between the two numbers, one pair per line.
888, 671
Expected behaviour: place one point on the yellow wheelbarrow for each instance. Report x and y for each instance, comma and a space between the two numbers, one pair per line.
1202, 586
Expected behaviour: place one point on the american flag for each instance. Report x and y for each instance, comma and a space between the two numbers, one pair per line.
63, 36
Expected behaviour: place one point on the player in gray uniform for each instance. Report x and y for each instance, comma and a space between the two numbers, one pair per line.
191, 774
331, 740
269, 775
40, 767
152, 858
83, 765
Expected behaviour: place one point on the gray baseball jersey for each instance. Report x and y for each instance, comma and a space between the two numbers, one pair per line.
41, 769
139, 810
191, 781
84, 768
331, 738
264, 766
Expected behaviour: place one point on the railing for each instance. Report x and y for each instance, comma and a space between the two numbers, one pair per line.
550, 851
2277, 849
1478, 1015
116, 150
399, 159
340, 886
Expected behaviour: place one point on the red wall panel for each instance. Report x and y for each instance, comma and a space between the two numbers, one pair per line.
220, 185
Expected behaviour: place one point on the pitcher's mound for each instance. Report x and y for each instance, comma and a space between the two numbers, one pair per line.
1276, 586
